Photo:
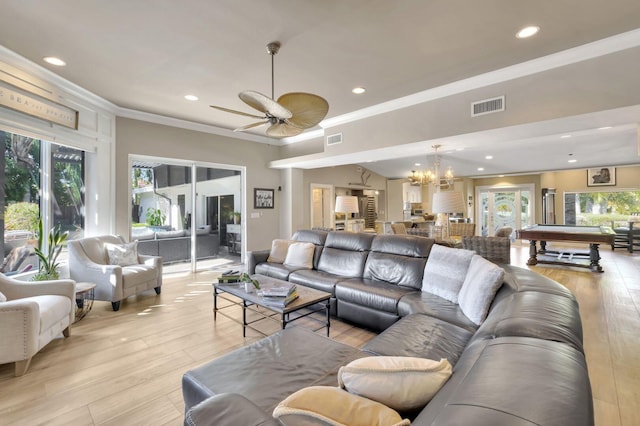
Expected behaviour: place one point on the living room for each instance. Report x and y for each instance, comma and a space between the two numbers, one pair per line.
576, 97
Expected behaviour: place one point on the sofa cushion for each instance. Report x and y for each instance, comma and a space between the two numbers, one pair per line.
401, 383
404, 245
423, 302
445, 271
423, 337
479, 288
267, 362
134, 275
347, 264
318, 280
170, 234
514, 381
534, 314
300, 255
275, 270
3, 298
372, 294
122, 254
326, 405
279, 250
53, 308
228, 409
395, 269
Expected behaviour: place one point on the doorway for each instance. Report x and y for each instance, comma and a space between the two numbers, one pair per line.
504, 206
321, 206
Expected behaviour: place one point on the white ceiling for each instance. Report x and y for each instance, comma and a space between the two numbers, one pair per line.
145, 55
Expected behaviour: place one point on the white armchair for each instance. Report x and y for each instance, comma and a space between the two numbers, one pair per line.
33, 315
88, 261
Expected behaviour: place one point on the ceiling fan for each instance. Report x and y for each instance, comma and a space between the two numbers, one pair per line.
290, 115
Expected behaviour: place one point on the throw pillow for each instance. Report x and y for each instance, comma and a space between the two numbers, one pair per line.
401, 383
445, 271
3, 298
279, 250
122, 254
334, 406
483, 280
300, 255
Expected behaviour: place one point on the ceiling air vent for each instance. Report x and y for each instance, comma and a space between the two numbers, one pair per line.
487, 106
334, 139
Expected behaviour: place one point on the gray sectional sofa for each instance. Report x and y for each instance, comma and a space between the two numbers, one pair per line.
523, 365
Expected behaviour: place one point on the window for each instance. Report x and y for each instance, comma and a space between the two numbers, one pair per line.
599, 208
28, 195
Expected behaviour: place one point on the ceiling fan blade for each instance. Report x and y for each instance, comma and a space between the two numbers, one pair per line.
233, 111
308, 109
283, 130
264, 104
250, 126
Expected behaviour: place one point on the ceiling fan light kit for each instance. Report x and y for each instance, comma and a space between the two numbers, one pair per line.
289, 116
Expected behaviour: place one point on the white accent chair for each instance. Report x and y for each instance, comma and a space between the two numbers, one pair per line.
33, 315
88, 262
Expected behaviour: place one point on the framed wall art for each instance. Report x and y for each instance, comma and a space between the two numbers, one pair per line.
263, 198
601, 176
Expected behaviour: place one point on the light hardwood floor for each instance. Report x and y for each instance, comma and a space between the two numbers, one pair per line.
124, 368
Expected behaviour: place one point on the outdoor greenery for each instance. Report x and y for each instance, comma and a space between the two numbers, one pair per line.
155, 217
22, 216
603, 208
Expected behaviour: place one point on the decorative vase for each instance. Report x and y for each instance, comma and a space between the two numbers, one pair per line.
248, 287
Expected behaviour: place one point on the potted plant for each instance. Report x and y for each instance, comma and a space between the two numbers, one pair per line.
249, 283
155, 217
48, 269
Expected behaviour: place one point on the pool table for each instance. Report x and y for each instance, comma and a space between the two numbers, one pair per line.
593, 235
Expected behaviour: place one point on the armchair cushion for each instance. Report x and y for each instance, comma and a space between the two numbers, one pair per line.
122, 254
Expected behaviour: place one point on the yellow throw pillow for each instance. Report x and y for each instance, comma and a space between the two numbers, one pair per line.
336, 407
279, 250
402, 383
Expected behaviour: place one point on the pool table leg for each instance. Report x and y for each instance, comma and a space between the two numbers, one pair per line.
533, 260
594, 257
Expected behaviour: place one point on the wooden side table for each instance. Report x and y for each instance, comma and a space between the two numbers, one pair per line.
85, 293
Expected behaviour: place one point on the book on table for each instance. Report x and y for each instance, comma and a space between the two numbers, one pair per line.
283, 290
280, 302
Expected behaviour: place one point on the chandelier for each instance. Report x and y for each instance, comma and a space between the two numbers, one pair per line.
432, 175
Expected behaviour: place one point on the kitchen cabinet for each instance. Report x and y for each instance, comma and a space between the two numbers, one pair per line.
411, 194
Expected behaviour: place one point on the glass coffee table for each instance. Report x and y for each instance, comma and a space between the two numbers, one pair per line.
313, 300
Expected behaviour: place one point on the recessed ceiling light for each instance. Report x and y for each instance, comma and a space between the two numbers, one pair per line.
489, 157
459, 149
572, 161
500, 175
417, 164
54, 61
565, 136
604, 128
359, 90
480, 169
191, 97
527, 31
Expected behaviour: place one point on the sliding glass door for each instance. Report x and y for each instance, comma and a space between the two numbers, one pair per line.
192, 226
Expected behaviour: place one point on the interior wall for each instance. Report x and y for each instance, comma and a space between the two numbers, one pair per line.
627, 179
340, 176
512, 181
142, 138
95, 131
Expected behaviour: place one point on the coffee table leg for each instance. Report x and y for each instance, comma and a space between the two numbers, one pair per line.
215, 302
244, 318
328, 320
285, 317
